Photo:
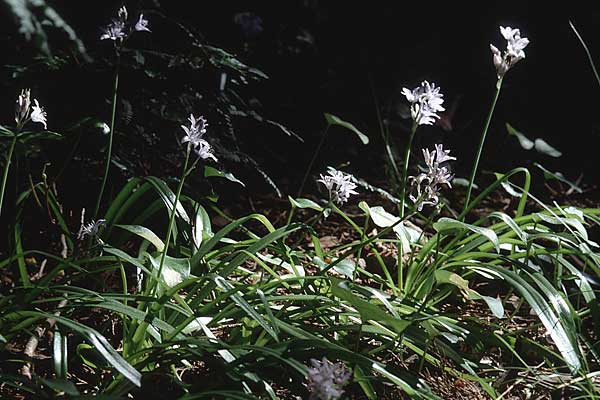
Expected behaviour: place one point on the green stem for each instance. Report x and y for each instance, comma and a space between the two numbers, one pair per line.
587, 52
140, 331
110, 137
312, 160
405, 167
6, 168
174, 211
481, 143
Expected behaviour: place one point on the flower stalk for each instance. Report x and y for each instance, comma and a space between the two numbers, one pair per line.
11, 149
481, 143
110, 136
405, 168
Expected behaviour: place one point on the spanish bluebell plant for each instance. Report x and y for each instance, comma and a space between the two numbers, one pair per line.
117, 31
194, 141
503, 61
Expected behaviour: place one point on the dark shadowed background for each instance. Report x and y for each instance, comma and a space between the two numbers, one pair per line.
332, 56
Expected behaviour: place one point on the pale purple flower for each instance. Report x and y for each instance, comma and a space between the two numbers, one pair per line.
426, 186
197, 129
142, 24
426, 101
513, 53
204, 150
119, 29
38, 114
91, 229
436, 157
114, 31
25, 111
193, 136
339, 185
326, 380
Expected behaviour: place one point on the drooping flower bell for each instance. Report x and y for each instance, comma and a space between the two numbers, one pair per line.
513, 53
142, 24
426, 186
38, 114
426, 101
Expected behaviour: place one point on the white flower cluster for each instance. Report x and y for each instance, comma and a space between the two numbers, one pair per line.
193, 135
339, 185
426, 186
326, 379
117, 29
25, 111
513, 53
426, 100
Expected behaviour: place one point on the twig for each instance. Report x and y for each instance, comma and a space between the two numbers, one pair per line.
34, 340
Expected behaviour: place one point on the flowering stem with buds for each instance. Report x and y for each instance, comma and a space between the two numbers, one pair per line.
405, 167
110, 137
6, 168
481, 143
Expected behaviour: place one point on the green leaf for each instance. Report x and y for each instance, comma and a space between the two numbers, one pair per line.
345, 267
6, 132
511, 223
574, 223
523, 140
25, 137
542, 147
168, 197
146, 234
444, 276
59, 354
210, 171
247, 308
548, 175
61, 386
384, 219
448, 224
333, 120
202, 229
559, 329
368, 311
493, 303
305, 203
101, 345
174, 270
